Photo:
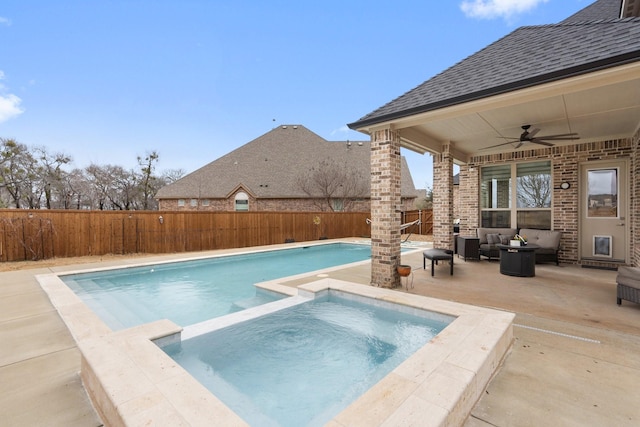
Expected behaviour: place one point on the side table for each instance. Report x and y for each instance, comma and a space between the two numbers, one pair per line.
518, 261
468, 247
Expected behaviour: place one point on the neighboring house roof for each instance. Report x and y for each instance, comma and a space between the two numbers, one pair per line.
269, 166
527, 57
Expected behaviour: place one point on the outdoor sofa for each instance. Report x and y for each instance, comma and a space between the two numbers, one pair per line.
490, 238
547, 240
628, 280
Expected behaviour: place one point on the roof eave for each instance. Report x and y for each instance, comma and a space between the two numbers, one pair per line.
582, 69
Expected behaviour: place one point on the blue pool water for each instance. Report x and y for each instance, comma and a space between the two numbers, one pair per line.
189, 292
302, 365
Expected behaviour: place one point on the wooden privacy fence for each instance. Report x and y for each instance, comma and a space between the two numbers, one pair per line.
41, 234
426, 221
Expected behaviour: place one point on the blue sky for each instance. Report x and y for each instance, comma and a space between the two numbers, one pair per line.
106, 81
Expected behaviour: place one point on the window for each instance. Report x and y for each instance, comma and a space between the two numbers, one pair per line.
531, 195
603, 193
205, 202
242, 202
180, 203
194, 203
495, 196
338, 205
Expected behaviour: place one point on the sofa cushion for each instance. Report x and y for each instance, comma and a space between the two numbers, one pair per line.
482, 233
545, 251
504, 238
629, 276
543, 238
632, 272
493, 239
628, 281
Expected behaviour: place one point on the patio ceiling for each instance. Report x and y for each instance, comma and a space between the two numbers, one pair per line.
597, 106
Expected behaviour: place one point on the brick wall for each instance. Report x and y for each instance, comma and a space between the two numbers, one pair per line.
271, 205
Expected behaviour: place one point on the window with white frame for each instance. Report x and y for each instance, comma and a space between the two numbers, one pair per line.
242, 201
516, 195
180, 203
194, 203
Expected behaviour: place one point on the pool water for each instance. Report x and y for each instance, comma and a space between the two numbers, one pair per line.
302, 365
190, 292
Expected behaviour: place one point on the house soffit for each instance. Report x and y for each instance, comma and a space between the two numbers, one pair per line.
597, 106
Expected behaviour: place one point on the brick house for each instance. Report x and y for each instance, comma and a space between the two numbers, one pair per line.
579, 78
289, 168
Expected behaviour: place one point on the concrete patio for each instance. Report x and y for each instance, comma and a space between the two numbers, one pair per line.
574, 360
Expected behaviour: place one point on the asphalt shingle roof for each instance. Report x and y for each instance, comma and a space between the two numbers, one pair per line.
268, 166
526, 57
602, 9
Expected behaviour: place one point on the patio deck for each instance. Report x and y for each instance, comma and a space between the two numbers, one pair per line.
574, 360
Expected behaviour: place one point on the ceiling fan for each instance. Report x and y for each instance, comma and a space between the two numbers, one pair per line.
527, 136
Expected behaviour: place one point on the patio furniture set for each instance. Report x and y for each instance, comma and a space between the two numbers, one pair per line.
541, 246
496, 243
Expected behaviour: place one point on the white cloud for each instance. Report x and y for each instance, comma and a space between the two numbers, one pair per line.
490, 9
9, 107
5, 21
9, 104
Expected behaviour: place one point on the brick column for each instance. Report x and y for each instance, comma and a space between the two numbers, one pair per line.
443, 198
634, 190
468, 200
385, 196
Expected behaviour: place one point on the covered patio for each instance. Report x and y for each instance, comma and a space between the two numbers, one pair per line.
559, 103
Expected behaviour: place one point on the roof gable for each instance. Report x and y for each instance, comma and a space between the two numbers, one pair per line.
268, 166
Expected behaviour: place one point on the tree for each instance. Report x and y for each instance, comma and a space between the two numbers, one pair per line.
51, 174
427, 201
35, 178
114, 186
15, 166
534, 191
334, 186
147, 179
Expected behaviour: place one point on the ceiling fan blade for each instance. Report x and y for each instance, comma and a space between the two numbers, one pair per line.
533, 132
519, 145
541, 142
498, 145
562, 136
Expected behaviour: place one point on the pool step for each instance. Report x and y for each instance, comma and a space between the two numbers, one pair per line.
251, 302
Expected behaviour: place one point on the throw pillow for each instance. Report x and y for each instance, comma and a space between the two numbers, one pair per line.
493, 239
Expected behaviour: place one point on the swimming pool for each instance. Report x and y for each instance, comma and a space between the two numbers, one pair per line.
131, 380
189, 292
302, 365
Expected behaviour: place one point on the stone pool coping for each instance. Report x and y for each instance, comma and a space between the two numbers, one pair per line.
131, 381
